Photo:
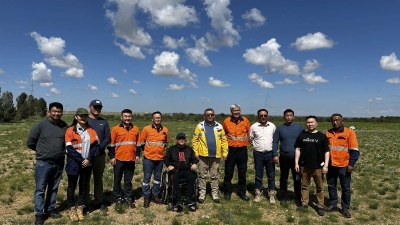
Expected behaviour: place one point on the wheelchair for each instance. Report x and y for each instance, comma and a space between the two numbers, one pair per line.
167, 192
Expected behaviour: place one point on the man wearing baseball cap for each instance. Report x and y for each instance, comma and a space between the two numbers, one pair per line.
102, 129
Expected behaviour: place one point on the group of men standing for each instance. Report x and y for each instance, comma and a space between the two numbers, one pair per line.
305, 153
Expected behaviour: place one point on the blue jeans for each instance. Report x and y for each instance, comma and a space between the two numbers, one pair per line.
344, 178
261, 161
47, 176
150, 167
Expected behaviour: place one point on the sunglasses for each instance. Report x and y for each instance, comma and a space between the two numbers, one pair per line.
210, 115
263, 115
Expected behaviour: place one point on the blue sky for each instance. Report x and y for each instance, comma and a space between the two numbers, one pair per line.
316, 57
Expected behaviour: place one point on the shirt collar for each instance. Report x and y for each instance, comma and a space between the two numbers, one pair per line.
240, 118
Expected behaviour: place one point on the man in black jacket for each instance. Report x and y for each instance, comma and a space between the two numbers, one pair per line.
180, 160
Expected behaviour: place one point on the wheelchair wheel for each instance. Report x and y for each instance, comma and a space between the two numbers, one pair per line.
170, 206
164, 187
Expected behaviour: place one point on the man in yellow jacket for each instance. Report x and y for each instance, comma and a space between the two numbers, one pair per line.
209, 144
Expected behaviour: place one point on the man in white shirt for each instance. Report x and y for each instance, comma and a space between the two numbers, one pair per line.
261, 137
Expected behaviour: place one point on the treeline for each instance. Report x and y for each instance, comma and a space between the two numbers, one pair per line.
27, 106
253, 118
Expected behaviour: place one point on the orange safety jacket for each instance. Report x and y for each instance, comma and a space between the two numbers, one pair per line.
341, 142
237, 133
154, 141
72, 137
123, 145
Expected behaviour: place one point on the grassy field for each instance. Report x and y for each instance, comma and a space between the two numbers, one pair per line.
375, 186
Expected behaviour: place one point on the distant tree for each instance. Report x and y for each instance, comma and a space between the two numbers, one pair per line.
31, 105
22, 106
21, 100
41, 107
1, 107
8, 106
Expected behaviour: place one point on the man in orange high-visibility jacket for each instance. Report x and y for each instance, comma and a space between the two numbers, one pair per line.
122, 151
153, 139
237, 129
343, 147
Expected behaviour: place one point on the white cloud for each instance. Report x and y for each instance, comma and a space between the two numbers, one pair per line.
287, 81
175, 87
124, 70
271, 58
197, 55
112, 81
132, 50
166, 64
113, 95
132, 91
375, 100
311, 78
193, 85
74, 72
169, 13
136, 82
390, 62
311, 65
254, 18
172, 43
22, 87
92, 87
311, 89
221, 20
393, 80
312, 41
21, 82
258, 80
67, 61
49, 46
46, 84
217, 83
187, 75
2, 71
40, 73
204, 99
55, 91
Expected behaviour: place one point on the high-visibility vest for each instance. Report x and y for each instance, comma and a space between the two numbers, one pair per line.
154, 141
237, 133
340, 144
124, 142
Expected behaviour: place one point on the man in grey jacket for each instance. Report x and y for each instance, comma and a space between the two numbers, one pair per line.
47, 140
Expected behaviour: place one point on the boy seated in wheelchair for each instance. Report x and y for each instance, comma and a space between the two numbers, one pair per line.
181, 162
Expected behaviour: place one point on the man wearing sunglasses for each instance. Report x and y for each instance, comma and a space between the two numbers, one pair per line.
261, 136
102, 129
209, 145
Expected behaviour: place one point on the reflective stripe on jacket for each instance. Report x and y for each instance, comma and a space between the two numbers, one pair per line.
124, 142
237, 132
154, 141
341, 143
199, 142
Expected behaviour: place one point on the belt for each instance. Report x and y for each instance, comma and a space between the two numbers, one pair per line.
263, 152
51, 161
243, 147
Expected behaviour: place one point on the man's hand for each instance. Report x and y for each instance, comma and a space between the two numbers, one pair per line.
276, 159
85, 163
350, 169
171, 167
193, 167
113, 162
137, 159
224, 158
297, 168
325, 170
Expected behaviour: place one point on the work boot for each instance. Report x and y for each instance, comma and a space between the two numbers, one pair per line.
79, 212
39, 220
271, 194
257, 196
156, 199
72, 214
146, 202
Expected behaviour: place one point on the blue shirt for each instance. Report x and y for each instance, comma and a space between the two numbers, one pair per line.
210, 137
102, 129
287, 135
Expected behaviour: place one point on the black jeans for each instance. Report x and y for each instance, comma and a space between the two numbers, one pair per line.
84, 187
184, 176
238, 157
286, 163
98, 171
126, 169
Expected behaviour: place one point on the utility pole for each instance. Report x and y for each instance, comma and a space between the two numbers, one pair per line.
32, 87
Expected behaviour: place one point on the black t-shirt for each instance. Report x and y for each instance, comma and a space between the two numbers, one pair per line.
313, 147
182, 161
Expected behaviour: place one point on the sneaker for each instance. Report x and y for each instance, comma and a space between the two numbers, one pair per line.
244, 198
216, 200
156, 199
331, 208
302, 208
346, 213
39, 220
130, 203
257, 196
320, 212
271, 194
72, 214
54, 214
146, 202
118, 202
79, 212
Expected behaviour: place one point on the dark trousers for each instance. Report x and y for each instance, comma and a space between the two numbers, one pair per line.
98, 165
84, 187
125, 169
345, 178
238, 157
186, 176
261, 161
286, 163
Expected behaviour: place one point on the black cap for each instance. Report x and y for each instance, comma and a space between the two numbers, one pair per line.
181, 135
96, 103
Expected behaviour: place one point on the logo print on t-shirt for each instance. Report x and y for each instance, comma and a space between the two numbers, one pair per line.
181, 156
